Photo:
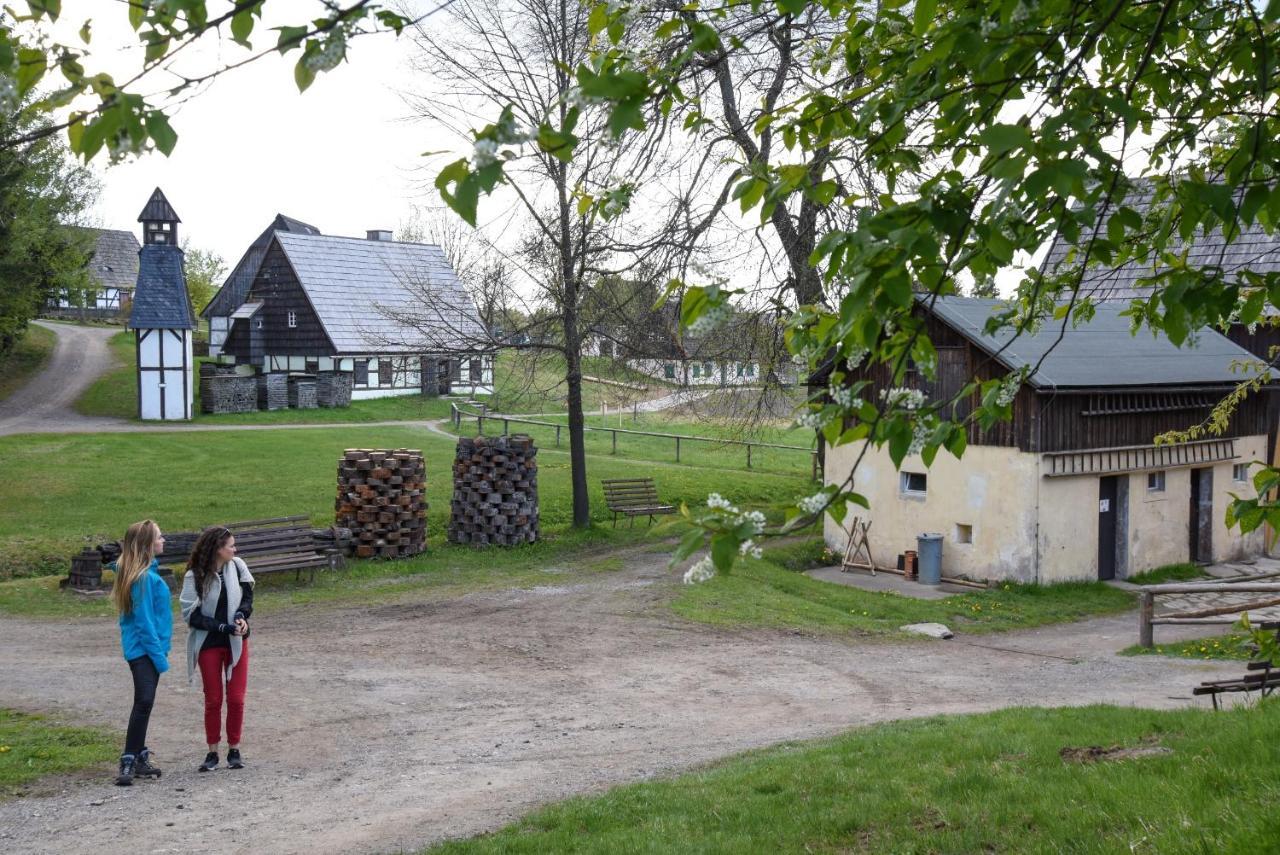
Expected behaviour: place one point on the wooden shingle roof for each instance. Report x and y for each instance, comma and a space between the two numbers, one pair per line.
236, 287
160, 300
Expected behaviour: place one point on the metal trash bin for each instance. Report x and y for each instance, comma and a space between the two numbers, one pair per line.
929, 547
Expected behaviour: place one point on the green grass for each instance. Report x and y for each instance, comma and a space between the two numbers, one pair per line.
760, 593
1169, 573
32, 747
1232, 646
964, 784
103, 482
115, 393
26, 359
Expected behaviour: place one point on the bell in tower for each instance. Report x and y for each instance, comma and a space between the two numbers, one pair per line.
159, 221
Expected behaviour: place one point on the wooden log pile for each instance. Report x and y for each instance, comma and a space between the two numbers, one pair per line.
273, 391
302, 393
224, 391
382, 500
495, 491
333, 388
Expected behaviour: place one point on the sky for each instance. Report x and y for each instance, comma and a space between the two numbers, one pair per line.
341, 156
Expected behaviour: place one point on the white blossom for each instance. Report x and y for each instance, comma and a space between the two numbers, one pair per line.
703, 571
756, 518
919, 437
712, 318
328, 57
813, 504
815, 420
749, 548
900, 396
485, 153
843, 395
715, 500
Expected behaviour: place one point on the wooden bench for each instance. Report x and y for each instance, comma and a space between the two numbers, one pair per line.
633, 497
1262, 676
267, 546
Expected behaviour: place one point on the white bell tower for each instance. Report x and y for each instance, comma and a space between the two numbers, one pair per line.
162, 319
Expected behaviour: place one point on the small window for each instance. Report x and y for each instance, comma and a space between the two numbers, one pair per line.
1240, 472
361, 371
697, 370
475, 371
914, 483
706, 368
384, 372
669, 370
312, 366
964, 533
293, 319
258, 323
751, 370
741, 369
1155, 482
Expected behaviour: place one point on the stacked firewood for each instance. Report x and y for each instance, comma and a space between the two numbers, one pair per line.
495, 491
382, 500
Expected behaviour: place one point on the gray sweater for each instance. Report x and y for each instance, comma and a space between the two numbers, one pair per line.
233, 574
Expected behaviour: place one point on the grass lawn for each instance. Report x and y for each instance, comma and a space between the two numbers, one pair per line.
115, 393
33, 747
761, 593
1233, 645
1169, 573
959, 784
26, 359
102, 482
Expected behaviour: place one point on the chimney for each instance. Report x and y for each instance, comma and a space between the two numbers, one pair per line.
378, 234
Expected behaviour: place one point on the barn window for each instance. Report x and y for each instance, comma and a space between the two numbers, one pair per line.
697, 370
1155, 482
669, 370
475, 371
914, 483
312, 366
1240, 472
384, 372
293, 319
361, 370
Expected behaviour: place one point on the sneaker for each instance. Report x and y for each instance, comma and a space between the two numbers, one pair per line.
125, 778
210, 762
233, 759
143, 768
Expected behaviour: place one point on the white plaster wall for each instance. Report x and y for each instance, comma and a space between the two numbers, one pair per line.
992, 489
1159, 522
1230, 544
1067, 540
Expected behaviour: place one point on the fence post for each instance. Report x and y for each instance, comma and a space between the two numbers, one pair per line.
615, 441
506, 427
480, 425
677, 449
748, 455
557, 436
1145, 613
814, 474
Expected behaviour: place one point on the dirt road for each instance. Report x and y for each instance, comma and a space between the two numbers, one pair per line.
383, 729
45, 404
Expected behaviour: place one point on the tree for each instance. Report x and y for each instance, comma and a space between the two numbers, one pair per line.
42, 192
517, 56
994, 126
204, 270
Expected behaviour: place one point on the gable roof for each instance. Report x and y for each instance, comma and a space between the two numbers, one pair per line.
236, 287
160, 300
158, 209
114, 263
373, 295
1100, 353
1253, 249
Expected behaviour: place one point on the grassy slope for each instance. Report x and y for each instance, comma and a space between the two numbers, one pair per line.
26, 359
102, 482
762, 593
32, 747
978, 783
115, 392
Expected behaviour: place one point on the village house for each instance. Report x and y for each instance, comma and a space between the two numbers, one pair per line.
110, 273
392, 314
1073, 487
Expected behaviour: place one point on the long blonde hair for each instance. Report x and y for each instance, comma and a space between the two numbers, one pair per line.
136, 553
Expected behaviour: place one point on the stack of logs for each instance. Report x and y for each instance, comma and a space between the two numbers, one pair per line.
495, 491
382, 500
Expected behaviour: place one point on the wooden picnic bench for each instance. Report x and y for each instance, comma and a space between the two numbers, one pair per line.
633, 497
267, 546
1263, 676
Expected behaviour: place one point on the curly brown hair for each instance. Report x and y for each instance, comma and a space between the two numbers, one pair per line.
204, 555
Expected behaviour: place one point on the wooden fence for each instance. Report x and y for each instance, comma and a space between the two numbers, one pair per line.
459, 414
1214, 615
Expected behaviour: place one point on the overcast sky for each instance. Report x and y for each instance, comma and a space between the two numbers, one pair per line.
340, 156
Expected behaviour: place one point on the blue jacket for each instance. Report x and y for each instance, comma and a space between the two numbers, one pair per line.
147, 628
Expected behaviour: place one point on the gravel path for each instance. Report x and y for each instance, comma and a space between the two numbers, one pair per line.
387, 728
44, 405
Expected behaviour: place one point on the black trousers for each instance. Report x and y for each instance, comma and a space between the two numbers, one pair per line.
145, 678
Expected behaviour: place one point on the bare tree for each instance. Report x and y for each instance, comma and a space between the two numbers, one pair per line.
571, 216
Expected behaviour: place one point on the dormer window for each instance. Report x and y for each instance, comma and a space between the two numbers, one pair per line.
293, 320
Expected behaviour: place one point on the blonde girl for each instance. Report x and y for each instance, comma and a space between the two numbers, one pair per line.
146, 627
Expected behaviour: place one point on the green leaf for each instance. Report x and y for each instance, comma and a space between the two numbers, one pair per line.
598, 19
161, 133
31, 67
689, 544
792, 7
302, 74
290, 38
924, 15
86, 32
459, 189
1000, 138
137, 13
558, 143
724, 548
242, 26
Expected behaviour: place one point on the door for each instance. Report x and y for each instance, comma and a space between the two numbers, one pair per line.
1107, 510
1201, 516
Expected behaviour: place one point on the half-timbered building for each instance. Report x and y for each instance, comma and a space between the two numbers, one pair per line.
112, 271
393, 314
1074, 487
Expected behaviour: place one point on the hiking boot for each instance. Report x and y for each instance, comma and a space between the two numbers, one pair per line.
210, 762
233, 759
143, 768
125, 778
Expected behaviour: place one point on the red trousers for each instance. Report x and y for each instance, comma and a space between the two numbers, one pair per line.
213, 666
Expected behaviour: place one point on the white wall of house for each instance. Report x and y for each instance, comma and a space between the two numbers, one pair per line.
1021, 525
165, 378
388, 376
700, 372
